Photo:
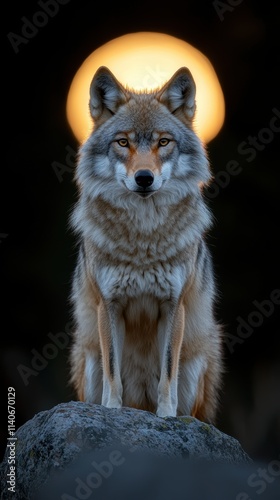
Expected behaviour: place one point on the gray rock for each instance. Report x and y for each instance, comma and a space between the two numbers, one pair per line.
58, 439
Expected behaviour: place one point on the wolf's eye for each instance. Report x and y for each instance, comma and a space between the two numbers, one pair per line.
123, 143
163, 142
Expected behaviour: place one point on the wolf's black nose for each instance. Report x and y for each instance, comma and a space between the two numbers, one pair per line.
144, 178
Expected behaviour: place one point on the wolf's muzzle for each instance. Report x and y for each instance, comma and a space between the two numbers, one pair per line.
144, 178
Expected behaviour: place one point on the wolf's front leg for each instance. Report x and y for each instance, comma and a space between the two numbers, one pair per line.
170, 336
111, 335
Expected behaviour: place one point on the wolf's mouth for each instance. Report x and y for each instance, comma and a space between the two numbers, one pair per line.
145, 194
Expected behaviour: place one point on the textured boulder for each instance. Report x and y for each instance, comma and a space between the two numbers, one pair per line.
58, 439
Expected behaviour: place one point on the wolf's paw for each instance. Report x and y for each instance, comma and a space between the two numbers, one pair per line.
166, 411
113, 402
113, 405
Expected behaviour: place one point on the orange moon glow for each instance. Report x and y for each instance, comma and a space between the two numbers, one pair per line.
146, 60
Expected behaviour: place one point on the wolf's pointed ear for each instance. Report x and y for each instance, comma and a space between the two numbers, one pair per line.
106, 95
178, 95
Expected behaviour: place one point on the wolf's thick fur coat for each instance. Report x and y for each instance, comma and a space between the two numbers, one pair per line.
143, 289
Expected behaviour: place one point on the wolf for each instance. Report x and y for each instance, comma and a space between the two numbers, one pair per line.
143, 288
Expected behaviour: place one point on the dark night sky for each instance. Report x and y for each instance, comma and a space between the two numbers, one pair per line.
38, 251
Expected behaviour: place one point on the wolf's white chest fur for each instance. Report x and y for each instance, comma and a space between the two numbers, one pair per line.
141, 253
162, 281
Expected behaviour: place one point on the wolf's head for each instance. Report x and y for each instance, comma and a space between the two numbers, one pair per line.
143, 144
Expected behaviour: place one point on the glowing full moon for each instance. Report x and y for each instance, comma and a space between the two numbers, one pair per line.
145, 61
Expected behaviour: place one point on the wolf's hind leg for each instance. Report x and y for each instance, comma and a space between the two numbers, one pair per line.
199, 383
207, 400
191, 376
86, 373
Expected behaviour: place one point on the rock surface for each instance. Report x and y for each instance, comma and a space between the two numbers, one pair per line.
56, 439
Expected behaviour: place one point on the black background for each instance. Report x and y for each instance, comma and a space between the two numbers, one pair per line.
37, 248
